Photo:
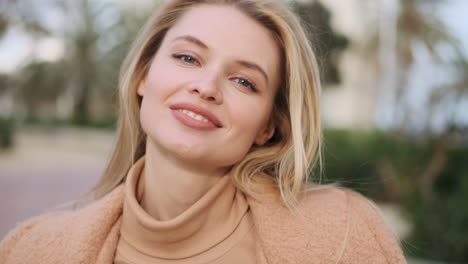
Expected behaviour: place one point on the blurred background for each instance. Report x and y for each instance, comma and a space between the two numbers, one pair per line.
395, 106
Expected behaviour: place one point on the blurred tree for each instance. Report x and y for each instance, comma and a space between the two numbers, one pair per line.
418, 27
39, 85
124, 31
18, 13
449, 98
327, 43
417, 24
96, 36
4, 82
3, 24
83, 35
432, 192
97, 42
22, 16
388, 167
420, 169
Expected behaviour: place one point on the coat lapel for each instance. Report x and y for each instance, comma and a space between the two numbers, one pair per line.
102, 223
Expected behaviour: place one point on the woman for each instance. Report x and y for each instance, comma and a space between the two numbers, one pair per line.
218, 130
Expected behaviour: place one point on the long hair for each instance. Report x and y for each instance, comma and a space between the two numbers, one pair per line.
293, 150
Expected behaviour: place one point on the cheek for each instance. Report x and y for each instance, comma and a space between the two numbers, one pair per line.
161, 78
159, 83
251, 118
158, 87
146, 116
248, 122
152, 103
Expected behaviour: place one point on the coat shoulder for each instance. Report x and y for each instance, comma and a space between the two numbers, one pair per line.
21, 240
369, 239
331, 224
60, 235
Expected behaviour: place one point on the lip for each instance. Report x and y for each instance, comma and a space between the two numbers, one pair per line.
197, 110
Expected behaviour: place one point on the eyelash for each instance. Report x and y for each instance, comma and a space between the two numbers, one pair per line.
182, 56
246, 84
241, 81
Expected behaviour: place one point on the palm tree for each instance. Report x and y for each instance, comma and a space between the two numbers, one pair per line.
416, 24
328, 43
96, 36
96, 52
83, 57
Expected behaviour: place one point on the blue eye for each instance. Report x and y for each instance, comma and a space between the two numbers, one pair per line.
246, 83
186, 58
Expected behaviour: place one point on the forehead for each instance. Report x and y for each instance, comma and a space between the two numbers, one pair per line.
230, 33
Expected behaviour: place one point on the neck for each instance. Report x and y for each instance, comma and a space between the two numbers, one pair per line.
171, 186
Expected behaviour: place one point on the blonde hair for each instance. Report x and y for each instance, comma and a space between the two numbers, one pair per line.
295, 147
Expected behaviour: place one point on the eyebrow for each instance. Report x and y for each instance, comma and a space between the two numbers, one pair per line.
253, 66
244, 63
191, 39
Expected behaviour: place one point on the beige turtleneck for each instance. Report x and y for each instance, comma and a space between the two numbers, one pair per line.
216, 229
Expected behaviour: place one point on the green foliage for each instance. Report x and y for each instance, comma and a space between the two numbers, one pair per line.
386, 167
6, 133
104, 123
440, 223
327, 43
38, 83
375, 164
3, 25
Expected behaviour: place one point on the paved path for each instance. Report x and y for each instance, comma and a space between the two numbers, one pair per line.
47, 168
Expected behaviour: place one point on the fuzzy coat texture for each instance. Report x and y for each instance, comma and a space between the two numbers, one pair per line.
337, 224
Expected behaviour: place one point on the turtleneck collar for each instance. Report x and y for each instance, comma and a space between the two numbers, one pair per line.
204, 226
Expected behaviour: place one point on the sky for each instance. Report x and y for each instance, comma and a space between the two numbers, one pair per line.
456, 18
16, 47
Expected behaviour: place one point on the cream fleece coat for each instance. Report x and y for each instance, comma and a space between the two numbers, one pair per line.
336, 225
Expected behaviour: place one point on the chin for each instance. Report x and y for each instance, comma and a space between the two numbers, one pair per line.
189, 152
203, 158
192, 149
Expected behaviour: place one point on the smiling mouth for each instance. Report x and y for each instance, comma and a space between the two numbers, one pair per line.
194, 115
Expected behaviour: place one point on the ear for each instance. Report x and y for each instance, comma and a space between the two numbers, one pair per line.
141, 88
265, 134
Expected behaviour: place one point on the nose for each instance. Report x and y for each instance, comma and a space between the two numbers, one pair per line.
208, 87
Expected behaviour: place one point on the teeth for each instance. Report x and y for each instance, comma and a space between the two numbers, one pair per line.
193, 115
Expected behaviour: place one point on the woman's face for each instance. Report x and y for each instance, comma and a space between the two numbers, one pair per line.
210, 88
